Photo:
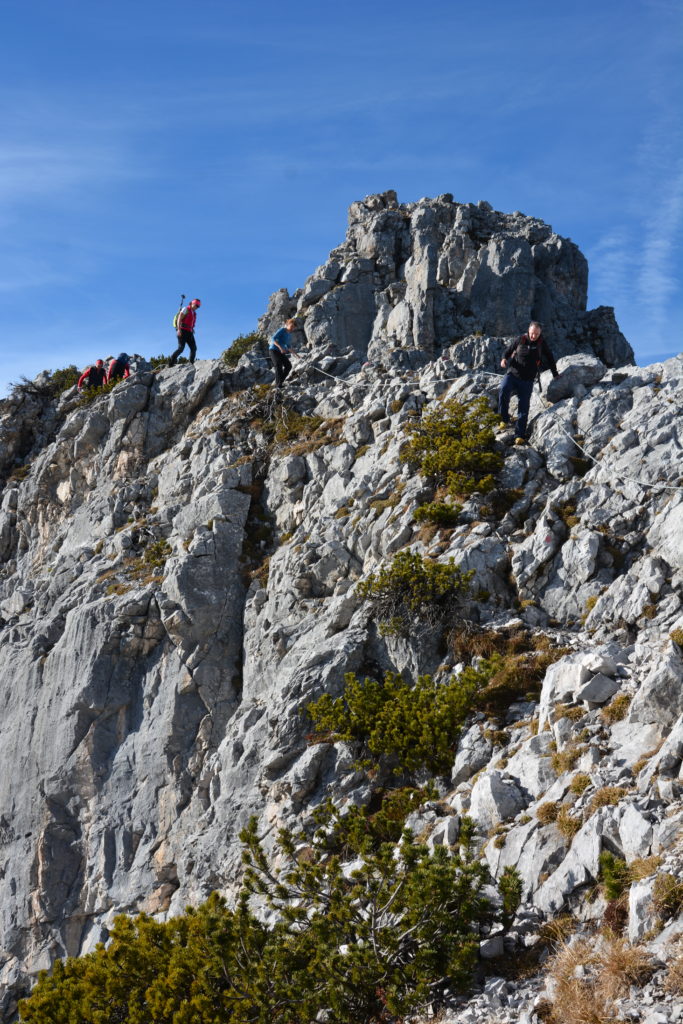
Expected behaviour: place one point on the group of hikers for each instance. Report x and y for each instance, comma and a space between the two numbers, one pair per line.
523, 361
97, 375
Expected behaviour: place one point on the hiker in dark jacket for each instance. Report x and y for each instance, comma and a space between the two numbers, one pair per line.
119, 368
93, 376
187, 318
280, 349
523, 361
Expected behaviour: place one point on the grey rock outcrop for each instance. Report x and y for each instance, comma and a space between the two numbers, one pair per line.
413, 280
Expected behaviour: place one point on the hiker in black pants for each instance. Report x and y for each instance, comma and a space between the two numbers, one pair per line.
185, 322
523, 360
280, 349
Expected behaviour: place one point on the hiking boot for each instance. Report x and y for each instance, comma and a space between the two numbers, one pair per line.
503, 425
520, 440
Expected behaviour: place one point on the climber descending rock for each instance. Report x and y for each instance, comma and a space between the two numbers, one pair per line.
523, 361
93, 376
119, 368
280, 349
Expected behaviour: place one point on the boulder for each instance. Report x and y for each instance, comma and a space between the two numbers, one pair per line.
495, 799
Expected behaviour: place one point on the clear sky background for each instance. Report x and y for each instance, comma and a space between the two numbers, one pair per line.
158, 147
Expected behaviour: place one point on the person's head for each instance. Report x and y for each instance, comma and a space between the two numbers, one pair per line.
534, 330
99, 362
122, 357
291, 325
196, 303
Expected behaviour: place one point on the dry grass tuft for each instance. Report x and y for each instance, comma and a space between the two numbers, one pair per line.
547, 813
674, 975
564, 760
568, 826
605, 797
643, 867
616, 710
579, 783
667, 896
588, 977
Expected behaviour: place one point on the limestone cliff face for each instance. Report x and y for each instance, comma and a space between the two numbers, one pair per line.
154, 669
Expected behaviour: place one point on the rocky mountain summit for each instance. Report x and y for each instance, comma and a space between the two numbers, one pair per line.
181, 570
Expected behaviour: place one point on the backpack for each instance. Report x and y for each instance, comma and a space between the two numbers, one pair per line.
176, 319
539, 343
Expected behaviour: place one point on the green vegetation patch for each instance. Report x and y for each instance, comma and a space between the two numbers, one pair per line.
243, 343
454, 443
439, 513
90, 395
373, 944
413, 727
54, 385
413, 587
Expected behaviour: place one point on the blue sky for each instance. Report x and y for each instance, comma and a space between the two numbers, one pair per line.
154, 148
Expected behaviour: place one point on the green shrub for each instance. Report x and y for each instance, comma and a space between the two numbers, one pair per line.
438, 513
614, 875
294, 425
372, 945
415, 587
454, 443
363, 829
161, 361
414, 727
242, 343
677, 636
62, 380
510, 888
57, 382
90, 395
377, 944
155, 554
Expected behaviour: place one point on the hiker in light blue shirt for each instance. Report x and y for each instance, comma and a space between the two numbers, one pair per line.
280, 349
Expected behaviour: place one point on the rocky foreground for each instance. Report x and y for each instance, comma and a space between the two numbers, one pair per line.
180, 561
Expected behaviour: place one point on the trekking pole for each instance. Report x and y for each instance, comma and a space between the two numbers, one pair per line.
182, 299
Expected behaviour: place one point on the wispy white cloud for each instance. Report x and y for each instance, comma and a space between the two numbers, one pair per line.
659, 277
612, 265
48, 171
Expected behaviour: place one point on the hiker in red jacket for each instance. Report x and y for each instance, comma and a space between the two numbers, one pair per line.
523, 360
119, 368
186, 320
93, 376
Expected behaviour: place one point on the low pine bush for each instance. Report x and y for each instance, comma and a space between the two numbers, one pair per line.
416, 588
414, 727
371, 944
454, 444
56, 383
242, 343
614, 875
438, 513
510, 888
